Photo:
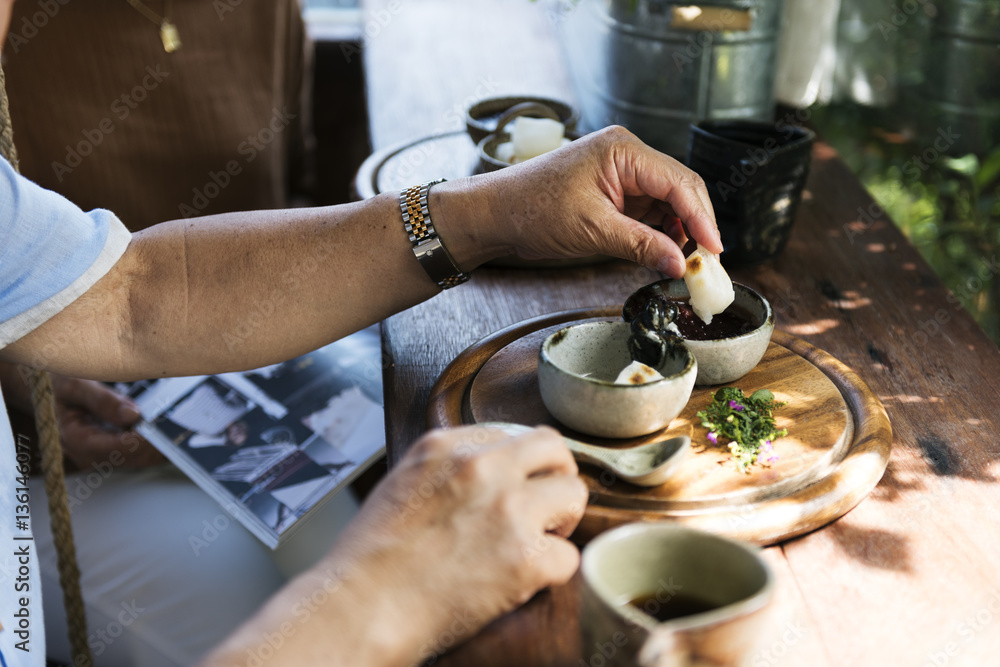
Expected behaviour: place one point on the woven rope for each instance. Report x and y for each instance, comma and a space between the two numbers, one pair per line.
6, 129
52, 459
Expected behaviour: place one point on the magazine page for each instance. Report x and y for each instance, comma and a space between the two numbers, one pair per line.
271, 444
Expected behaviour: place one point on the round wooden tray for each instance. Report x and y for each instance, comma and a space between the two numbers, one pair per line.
445, 155
835, 453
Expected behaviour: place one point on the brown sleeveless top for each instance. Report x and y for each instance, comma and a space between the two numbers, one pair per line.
103, 115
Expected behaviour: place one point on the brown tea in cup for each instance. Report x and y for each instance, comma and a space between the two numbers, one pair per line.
676, 606
659, 594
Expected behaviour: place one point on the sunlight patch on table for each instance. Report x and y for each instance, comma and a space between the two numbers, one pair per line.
811, 328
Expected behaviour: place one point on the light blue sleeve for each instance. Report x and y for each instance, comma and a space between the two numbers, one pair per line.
51, 252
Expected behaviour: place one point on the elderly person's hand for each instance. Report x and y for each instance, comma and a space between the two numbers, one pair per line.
587, 197
481, 514
95, 425
470, 524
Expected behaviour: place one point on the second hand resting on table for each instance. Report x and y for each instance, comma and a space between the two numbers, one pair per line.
493, 531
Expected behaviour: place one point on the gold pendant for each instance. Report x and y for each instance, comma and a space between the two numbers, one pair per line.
169, 36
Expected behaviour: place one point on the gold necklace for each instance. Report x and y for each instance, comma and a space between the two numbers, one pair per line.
168, 31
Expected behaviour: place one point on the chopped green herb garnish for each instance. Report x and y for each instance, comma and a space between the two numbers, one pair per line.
746, 423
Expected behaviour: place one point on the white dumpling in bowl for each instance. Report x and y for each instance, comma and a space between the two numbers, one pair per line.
709, 285
505, 152
637, 373
534, 136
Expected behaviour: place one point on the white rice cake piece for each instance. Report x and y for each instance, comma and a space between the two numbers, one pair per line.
534, 136
505, 152
637, 373
708, 283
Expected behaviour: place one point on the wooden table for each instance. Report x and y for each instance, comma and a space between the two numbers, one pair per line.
911, 576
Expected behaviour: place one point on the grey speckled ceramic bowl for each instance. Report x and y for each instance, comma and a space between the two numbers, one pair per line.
722, 360
593, 403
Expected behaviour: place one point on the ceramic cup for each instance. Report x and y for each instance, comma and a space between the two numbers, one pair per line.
721, 360
714, 591
577, 367
755, 173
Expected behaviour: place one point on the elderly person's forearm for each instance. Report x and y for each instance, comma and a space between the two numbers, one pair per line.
243, 290
234, 291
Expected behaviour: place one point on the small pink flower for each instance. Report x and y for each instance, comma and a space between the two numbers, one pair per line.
767, 454
714, 438
735, 406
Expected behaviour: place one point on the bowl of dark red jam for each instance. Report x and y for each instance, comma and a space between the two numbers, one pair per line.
731, 345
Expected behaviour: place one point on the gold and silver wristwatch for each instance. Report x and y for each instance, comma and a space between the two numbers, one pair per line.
427, 245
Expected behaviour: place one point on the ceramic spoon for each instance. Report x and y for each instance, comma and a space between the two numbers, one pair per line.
645, 465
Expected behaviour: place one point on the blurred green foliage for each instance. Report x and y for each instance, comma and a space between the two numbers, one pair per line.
947, 205
926, 145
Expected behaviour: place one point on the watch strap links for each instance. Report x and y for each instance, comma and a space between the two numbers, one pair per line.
428, 247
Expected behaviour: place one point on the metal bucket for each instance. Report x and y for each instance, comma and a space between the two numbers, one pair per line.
656, 67
962, 87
